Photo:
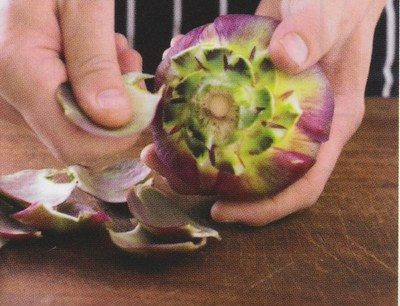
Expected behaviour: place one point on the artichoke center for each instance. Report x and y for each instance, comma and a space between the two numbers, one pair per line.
219, 105
222, 106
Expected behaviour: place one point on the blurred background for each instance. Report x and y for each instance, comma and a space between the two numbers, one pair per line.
150, 24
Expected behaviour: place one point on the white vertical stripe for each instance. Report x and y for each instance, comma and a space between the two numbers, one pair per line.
4, 4
130, 22
223, 7
177, 21
390, 48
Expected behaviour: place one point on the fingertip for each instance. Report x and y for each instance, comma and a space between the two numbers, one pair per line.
121, 42
238, 213
150, 158
220, 213
130, 60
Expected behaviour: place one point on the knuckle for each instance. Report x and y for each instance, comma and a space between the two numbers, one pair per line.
121, 41
94, 65
137, 55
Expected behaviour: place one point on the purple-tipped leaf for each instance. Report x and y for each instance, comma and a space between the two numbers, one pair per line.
64, 218
315, 96
164, 218
190, 39
32, 186
237, 29
111, 184
11, 229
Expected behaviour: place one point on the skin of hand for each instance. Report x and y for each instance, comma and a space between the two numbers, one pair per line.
42, 46
339, 35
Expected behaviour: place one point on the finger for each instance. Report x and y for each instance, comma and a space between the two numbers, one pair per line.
129, 60
269, 8
150, 158
309, 29
121, 43
92, 61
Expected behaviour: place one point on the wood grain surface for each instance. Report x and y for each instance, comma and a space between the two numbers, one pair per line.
342, 251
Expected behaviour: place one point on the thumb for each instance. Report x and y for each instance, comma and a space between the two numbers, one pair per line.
307, 32
92, 61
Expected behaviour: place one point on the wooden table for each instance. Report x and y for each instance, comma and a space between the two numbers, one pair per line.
342, 251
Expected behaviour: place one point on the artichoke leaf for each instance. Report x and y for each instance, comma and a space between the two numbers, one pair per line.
11, 229
111, 184
31, 186
141, 242
66, 217
144, 104
161, 216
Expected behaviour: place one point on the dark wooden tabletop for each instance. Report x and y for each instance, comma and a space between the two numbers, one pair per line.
342, 251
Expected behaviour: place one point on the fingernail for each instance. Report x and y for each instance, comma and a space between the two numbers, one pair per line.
220, 215
295, 47
111, 99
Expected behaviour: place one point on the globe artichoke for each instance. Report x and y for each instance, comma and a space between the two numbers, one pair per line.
230, 123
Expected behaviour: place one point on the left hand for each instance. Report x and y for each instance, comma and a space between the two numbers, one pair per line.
339, 35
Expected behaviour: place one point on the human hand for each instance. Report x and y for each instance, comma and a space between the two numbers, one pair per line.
338, 34
42, 46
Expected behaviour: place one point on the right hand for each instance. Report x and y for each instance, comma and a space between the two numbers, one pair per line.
339, 35
42, 46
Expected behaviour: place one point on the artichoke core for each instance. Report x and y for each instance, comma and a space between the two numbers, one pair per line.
219, 105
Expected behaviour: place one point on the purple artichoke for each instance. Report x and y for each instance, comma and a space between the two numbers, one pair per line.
230, 123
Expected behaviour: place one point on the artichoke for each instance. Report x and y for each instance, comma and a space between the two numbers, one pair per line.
229, 122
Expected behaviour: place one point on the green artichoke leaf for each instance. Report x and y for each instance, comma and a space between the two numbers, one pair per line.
140, 241
144, 104
161, 216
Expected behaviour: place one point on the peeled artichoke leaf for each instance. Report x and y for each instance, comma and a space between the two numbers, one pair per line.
31, 186
161, 216
66, 217
144, 105
140, 242
111, 184
11, 229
